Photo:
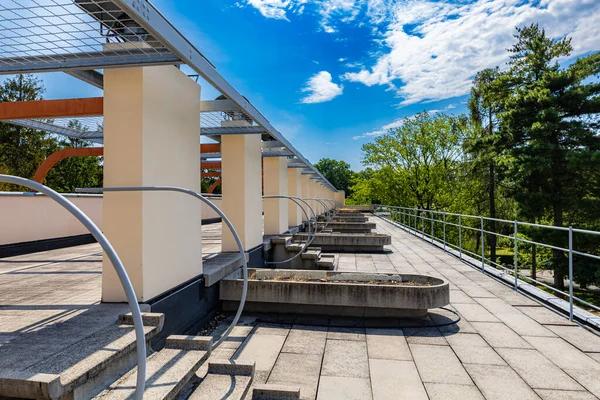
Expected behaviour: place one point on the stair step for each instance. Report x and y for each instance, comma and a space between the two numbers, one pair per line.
83, 367
326, 261
311, 254
281, 240
225, 380
295, 247
167, 371
275, 392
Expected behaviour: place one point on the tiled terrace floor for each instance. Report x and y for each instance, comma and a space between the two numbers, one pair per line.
506, 346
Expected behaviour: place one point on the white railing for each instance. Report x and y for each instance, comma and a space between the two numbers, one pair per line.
415, 221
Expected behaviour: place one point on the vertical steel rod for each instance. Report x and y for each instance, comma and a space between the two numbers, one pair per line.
571, 273
516, 258
431, 215
460, 235
444, 231
482, 247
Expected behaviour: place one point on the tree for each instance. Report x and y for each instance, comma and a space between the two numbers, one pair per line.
422, 155
550, 130
484, 105
338, 173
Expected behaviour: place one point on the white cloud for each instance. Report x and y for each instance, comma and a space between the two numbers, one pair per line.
450, 106
433, 49
271, 8
321, 88
381, 131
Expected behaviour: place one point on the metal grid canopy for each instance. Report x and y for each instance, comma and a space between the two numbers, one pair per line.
81, 36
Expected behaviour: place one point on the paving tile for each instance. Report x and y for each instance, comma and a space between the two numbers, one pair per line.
425, 336
388, 344
343, 388
523, 325
263, 349
458, 296
439, 364
588, 378
578, 337
345, 358
499, 335
498, 382
396, 380
547, 394
301, 370
264, 328
444, 391
306, 340
545, 316
346, 333
563, 354
537, 370
478, 355
475, 313
496, 305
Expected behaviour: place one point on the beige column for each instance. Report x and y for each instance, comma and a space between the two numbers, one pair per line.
242, 189
295, 214
306, 194
313, 194
276, 183
151, 123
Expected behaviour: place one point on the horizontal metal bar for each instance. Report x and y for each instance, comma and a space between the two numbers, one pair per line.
87, 61
238, 130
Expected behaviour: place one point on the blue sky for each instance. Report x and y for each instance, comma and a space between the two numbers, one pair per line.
333, 74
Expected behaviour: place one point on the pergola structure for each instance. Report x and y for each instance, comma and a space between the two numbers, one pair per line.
150, 121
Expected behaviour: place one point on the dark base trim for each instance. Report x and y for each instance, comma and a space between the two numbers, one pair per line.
35, 246
208, 221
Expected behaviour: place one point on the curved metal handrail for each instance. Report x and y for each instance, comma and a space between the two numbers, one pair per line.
140, 337
218, 211
309, 241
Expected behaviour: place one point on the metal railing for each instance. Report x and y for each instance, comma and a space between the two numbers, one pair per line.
435, 226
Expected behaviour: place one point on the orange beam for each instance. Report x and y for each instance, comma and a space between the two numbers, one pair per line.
210, 165
51, 108
214, 186
210, 148
60, 155
213, 174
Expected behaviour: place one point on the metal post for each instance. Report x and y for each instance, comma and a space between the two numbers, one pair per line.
460, 235
423, 224
431, 215
444, 231
482, 247
571, 273
516, 259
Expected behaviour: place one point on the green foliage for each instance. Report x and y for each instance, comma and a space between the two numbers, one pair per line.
421, 158
338, 173
22, 150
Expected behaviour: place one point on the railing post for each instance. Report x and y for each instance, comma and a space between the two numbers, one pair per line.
460, 235
444, 231
516, 258
571, 273
482, 247
423, 224
431, 215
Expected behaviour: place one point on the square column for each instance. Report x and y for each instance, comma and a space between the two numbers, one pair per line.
151, 123
295, 214
242, 189
313, 194
276, 183
305, 194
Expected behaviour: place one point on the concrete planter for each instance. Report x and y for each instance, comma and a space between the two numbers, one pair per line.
348, 242
336, 293
350, 227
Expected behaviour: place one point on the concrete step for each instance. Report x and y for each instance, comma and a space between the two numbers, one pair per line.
311, 254
281, 240
167, 371
326, 262
275, 392
84, 368
225, 380
294, 247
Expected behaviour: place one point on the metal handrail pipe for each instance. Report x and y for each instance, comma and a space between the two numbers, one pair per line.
223, 217
308, 242
140, 337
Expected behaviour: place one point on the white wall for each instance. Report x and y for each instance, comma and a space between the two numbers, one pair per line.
28, 217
